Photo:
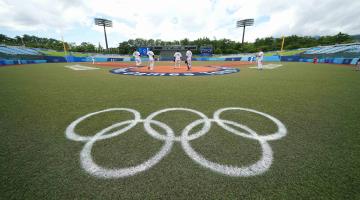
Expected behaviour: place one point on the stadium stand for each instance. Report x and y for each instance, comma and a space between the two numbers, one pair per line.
15, 50
340, 54
353, 47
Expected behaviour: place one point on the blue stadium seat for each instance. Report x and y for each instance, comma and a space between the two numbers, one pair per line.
334, 49
12, 50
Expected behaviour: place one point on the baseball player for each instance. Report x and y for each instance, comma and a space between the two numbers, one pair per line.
93, 60
188, 59
315, 60
358, 65
177, 59
151, 60
136, 54
260, 58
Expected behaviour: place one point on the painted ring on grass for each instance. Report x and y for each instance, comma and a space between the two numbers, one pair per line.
72, 135
281, 132
156, 135
92, 168
170, 71
257, 168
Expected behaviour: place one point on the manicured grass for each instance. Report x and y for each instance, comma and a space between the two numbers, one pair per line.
61, 53
318, 159
286, 53
291, 52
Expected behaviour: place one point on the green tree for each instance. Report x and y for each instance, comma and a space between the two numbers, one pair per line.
125, 48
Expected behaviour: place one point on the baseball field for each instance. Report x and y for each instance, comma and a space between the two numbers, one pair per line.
287, 132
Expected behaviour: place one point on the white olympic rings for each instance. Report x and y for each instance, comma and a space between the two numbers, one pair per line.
257, 168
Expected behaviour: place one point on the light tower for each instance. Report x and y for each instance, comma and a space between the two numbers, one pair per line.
244, 23
104, 23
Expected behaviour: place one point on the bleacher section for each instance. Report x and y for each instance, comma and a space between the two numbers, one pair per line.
13, 50
354, 49
341, 48
24, 51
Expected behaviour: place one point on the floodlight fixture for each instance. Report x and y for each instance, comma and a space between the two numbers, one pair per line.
104, 23
244, 23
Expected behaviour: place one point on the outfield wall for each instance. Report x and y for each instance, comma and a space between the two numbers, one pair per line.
346, 61
59, 59
20, 62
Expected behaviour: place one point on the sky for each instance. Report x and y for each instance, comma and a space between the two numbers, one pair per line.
176, 19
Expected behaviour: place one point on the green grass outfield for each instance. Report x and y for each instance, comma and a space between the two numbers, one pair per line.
62, 53
286, 53
319, 158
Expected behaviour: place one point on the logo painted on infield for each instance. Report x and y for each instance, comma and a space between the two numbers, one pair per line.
257, 168
213, 70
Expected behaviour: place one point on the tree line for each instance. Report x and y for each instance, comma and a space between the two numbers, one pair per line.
220, 46
46, 43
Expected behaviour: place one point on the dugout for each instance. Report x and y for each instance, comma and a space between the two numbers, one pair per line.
167, 52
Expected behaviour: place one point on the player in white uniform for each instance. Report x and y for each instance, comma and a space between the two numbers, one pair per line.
93, 59
151, 60
136, 54
188, 59
177, 59
260, 58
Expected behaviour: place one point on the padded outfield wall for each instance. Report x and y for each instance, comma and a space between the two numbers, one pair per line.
345, 61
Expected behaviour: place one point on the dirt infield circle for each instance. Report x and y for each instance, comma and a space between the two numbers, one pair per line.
171, 71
